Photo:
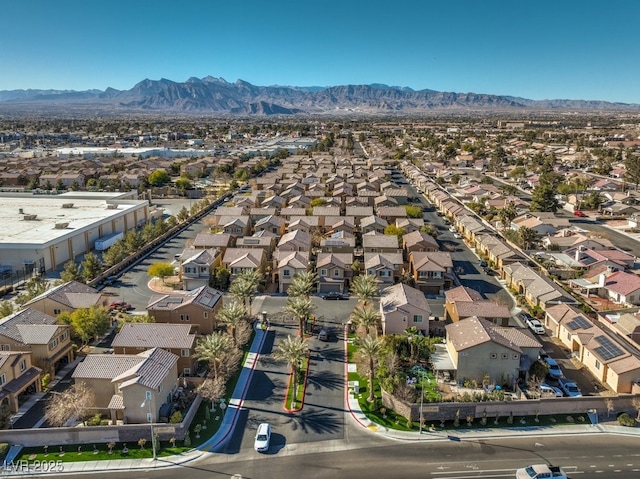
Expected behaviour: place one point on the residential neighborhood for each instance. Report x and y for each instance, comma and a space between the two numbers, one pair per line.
462, 252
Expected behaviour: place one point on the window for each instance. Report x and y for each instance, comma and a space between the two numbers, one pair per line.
6, 347
205, 314
56, 311
64, 336
160, 388
437, 274
504, 356
597, 364
385, 274
184, 317
23, 365
186, 372
423, 274
516, 356
185, 353
3, 379
53, 344
493, 355
417, 318
286, 272
323, 272
149, 417
336, 273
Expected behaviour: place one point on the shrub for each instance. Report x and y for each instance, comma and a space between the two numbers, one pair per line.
4, 448
94, 420
176, 418
625, 419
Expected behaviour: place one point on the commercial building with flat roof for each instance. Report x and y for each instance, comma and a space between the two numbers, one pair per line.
43, 232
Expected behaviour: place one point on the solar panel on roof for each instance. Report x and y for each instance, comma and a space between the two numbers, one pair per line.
579, 322
607, 349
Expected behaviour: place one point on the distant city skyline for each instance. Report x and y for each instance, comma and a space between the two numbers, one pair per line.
541, 50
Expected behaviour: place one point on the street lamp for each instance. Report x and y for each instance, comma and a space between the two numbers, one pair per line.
147, 402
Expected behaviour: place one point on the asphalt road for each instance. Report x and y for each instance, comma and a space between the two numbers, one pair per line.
583, 456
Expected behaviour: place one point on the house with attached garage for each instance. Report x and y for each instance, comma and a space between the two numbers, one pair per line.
402, 307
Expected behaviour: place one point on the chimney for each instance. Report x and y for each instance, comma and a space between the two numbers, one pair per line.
602, 278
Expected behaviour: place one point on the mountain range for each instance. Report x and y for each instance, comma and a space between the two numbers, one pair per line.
216, 96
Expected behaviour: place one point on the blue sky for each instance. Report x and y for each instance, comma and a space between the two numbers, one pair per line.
562, 49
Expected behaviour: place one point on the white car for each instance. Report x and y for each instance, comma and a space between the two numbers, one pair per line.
457, 235
263, 437
554, 370
538, 471
570, 388
452, 229
535, 325
550, 391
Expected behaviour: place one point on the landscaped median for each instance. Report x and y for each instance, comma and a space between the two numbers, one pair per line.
291, 405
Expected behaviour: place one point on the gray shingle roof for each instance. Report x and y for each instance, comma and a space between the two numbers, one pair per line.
154, 335
9, 325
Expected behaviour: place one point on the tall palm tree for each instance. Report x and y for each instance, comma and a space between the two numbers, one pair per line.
365, 288
526, 236
413, 338
293, 350
245, 286
300, 307
366, 317
303, 284
370, 348
214, 349
231, 315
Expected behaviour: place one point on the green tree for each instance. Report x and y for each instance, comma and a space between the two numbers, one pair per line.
87, 323
365, 288
183, 183
413, 211
294, 351
91, 267
393, 230
318, 202
507, 215
159, 177
526, 236
6, 308
34, 287
160, 270
365, 317
301, 308
232, 315
183, 214
544, 198
632, 169
133, 241
369, 348
245, 287
71, 272
214, 349
116, 253
220, 277
303, 284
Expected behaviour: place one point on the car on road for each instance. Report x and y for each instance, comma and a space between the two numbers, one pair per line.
457, 235
553, 368
570, 388
580, 214
539, 471
550, 391
111, 280
452, 229
535, 326
323, 335
263, 437
334, 295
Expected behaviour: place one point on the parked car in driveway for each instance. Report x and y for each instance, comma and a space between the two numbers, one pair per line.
580, 214
550, 391
535, 325
554, 370
570, 388
120, 306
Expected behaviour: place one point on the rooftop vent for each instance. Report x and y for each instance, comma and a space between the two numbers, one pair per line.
29, 217
112, 207
21, 211
67, 205
61, 226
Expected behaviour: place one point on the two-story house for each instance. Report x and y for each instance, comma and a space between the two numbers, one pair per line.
287, 265
197, 308
197, 266
17, 375
32, 330
432, 272
402, 307
334, 272
133, 338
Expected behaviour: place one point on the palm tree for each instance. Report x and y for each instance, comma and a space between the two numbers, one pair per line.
231, 315
366, 317
365, 288
526, 236
507, 214
245, 286
293, 350
369, 348
413, 338
303, 284
214, 349
300, 307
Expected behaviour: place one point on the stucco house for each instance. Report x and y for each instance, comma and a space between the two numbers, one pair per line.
481, 350
402, 307
67, 297
122, 382
17, 375
197, 308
